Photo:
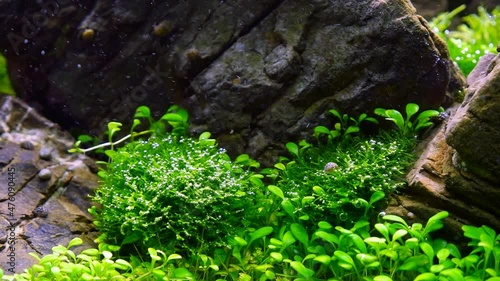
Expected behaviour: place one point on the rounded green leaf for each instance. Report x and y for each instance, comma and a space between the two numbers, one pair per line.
301, 269
411, 109
277, 256
75, 242
276, 191
142, 111
324, 225
182, 273
321, 130
324, 259
261, 232
172, 117
428, 276
318, 190
398, 234
300, 233
293, 148
376, 196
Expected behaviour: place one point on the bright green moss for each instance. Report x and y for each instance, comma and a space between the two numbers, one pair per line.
172, 191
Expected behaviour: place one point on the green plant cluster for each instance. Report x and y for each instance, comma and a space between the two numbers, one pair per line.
476, 36
172, 191
390, 250
193, 214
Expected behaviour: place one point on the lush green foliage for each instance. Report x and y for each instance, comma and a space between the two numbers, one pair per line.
406, 125
337, 178
390, 250
309, 218
477, 35
5, 86
172, 190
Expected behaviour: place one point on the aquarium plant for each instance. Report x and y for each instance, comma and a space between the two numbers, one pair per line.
475, 36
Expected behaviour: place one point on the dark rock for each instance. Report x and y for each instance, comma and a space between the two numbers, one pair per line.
260, 72
27, 145
45, 153
45, 174
41, 212
51, 208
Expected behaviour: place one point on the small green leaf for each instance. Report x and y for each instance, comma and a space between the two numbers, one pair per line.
301, 269
261, 232
206, 136
174, 257
335, 113
318, 190
321, 130
411, 109
351, 129
142, 112
75, 242
398, 234
280, 166
300, 233
395, 219
172, 117
288, 207
328, 237
428, 276
182, 273
276, 191
324, 225
376, 196
383, 230
293, 148
277, 256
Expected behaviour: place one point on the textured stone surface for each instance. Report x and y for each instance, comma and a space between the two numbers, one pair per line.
458, 170
475, 131
255, 73
44, 211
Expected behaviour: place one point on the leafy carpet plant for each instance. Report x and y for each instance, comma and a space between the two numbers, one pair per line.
390, 250
191, 213
475, 36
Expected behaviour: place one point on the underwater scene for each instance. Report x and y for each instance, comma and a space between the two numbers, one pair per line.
242, 140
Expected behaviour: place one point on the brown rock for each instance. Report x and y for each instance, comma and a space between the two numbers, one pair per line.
43, 211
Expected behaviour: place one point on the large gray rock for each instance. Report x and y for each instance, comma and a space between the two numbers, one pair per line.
255, 73
49, 188
458, 170
475, 131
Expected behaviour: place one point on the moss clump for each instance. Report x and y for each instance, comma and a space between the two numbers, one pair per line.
172, 191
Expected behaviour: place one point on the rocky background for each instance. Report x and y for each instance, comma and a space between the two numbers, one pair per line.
255, 74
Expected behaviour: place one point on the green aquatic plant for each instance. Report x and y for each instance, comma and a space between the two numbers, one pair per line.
335, 180
391, 249
172, 191
476, 36
345, 126
176, 118
408, 125
5, 85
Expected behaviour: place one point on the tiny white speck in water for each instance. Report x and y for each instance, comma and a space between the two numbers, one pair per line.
42, 53
79, 66
25, 41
